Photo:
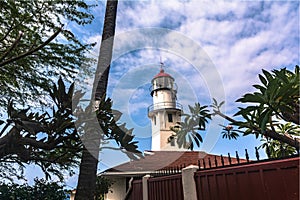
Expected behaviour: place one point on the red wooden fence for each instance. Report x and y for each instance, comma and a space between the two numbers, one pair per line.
136, 191
269, 180
165, 188
272, 180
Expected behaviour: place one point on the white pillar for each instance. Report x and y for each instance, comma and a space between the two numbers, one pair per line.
145, 186
188, 182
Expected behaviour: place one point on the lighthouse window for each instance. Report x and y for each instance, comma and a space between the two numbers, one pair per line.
170, 118
154, 119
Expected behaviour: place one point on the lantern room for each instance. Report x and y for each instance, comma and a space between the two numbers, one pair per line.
162, 81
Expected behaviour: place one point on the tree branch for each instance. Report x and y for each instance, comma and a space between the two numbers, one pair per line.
9, 142
224, 116
12, 46
33, 50
268, 133
7, 33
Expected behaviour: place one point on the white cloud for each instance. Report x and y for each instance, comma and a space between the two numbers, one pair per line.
240, 38
234, 40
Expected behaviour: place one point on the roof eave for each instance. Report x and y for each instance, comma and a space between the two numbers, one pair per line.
126, 174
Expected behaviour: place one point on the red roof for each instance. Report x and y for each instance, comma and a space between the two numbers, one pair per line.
157, 160
162, 74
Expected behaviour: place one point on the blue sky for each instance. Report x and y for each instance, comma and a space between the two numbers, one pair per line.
213, 49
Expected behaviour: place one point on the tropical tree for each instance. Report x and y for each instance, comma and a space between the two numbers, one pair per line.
36, 48
48, 138
36, 45
272, 113
187, 131
89, 161
94, 135
52, 139
275, 148
39, 190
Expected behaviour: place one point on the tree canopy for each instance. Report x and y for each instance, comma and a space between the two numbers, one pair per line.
53, 139
48, 139
39, 190
271, 113
35, 45
36, 48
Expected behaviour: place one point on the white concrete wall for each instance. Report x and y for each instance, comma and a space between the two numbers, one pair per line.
155, 144
161, 130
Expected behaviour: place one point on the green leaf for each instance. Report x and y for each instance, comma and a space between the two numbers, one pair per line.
252, 98
247, 132
234, 135
195, 138
215, 102
221, 104
117, 115
199, 137
282, 75
268, 75
263, 80
261, 88
190, 142
191, 109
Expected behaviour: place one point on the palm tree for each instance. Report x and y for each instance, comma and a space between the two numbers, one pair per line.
89, 161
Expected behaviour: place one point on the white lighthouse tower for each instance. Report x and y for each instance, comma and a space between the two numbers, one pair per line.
164, 112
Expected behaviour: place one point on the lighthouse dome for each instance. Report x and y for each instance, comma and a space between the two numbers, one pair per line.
162, 81
162, 74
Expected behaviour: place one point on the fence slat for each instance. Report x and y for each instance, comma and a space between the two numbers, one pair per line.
276, 179
165, 188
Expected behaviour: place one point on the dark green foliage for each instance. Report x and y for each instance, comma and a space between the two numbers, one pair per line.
48, 139
102, 187
51, 139
229, 133
34, 47
273, 114
279, 149
276, 107
187, 131
40, 190
109, 128
277, 99
276, 148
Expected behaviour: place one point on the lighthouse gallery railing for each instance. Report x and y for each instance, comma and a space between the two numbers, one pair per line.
165, 105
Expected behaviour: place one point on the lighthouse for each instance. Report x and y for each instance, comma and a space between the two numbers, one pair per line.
165, 111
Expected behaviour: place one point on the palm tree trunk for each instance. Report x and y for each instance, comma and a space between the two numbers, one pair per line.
89, 161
